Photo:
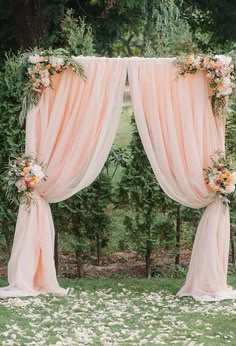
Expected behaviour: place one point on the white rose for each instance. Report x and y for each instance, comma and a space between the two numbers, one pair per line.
56, 61
20, 184
34, 59
225, 60
197, 61
45, 81
229, 188
227, 92
211, 180
226, 88
37, 171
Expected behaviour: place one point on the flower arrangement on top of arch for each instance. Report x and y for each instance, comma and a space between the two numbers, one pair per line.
220, 74
37, 69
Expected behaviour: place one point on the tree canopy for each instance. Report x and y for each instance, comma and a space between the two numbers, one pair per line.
119, 27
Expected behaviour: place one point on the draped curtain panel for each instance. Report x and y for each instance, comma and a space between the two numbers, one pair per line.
71, 131
179, 134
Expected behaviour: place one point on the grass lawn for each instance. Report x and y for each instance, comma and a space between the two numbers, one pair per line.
123, 135
122, 139
117, 312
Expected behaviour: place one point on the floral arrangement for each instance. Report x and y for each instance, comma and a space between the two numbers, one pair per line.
23, 176
220, 73
221, 177
37, 68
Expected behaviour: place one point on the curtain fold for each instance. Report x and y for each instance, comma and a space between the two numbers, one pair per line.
179, 134
71, 130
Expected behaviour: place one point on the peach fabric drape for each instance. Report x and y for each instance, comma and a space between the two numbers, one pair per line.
179, 134
71, 131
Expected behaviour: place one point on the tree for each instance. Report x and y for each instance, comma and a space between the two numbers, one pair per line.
85, 218
213, 22
12, 139
30, 27
148, 222
169, 34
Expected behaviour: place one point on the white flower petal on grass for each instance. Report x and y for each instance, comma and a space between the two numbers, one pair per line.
118, 319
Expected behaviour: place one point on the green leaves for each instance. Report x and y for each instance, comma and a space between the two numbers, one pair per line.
77, 35
150, 210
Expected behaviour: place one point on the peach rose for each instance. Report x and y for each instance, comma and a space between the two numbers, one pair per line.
26, 170
190, 59
34, 181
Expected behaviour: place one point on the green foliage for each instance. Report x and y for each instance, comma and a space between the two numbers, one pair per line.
167, 33
147, 220
118, 157
169, 271
230, 140
77, 35
122, 27
11, 139
212, 22
85, 217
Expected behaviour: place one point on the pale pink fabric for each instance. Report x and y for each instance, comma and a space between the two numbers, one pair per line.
71, 131
179, 134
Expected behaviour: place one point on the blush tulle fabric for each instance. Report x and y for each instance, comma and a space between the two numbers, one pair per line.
72, 131
179, 134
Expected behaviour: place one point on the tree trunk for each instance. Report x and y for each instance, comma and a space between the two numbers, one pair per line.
148, 255
29, 23
98, 249
80, 264
8, 239
178, 235
232, 244
56, 251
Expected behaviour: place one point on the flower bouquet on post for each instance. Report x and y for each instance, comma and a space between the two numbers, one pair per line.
23, 176
221, 177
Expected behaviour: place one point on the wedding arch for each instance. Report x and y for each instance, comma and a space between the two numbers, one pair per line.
71, 130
